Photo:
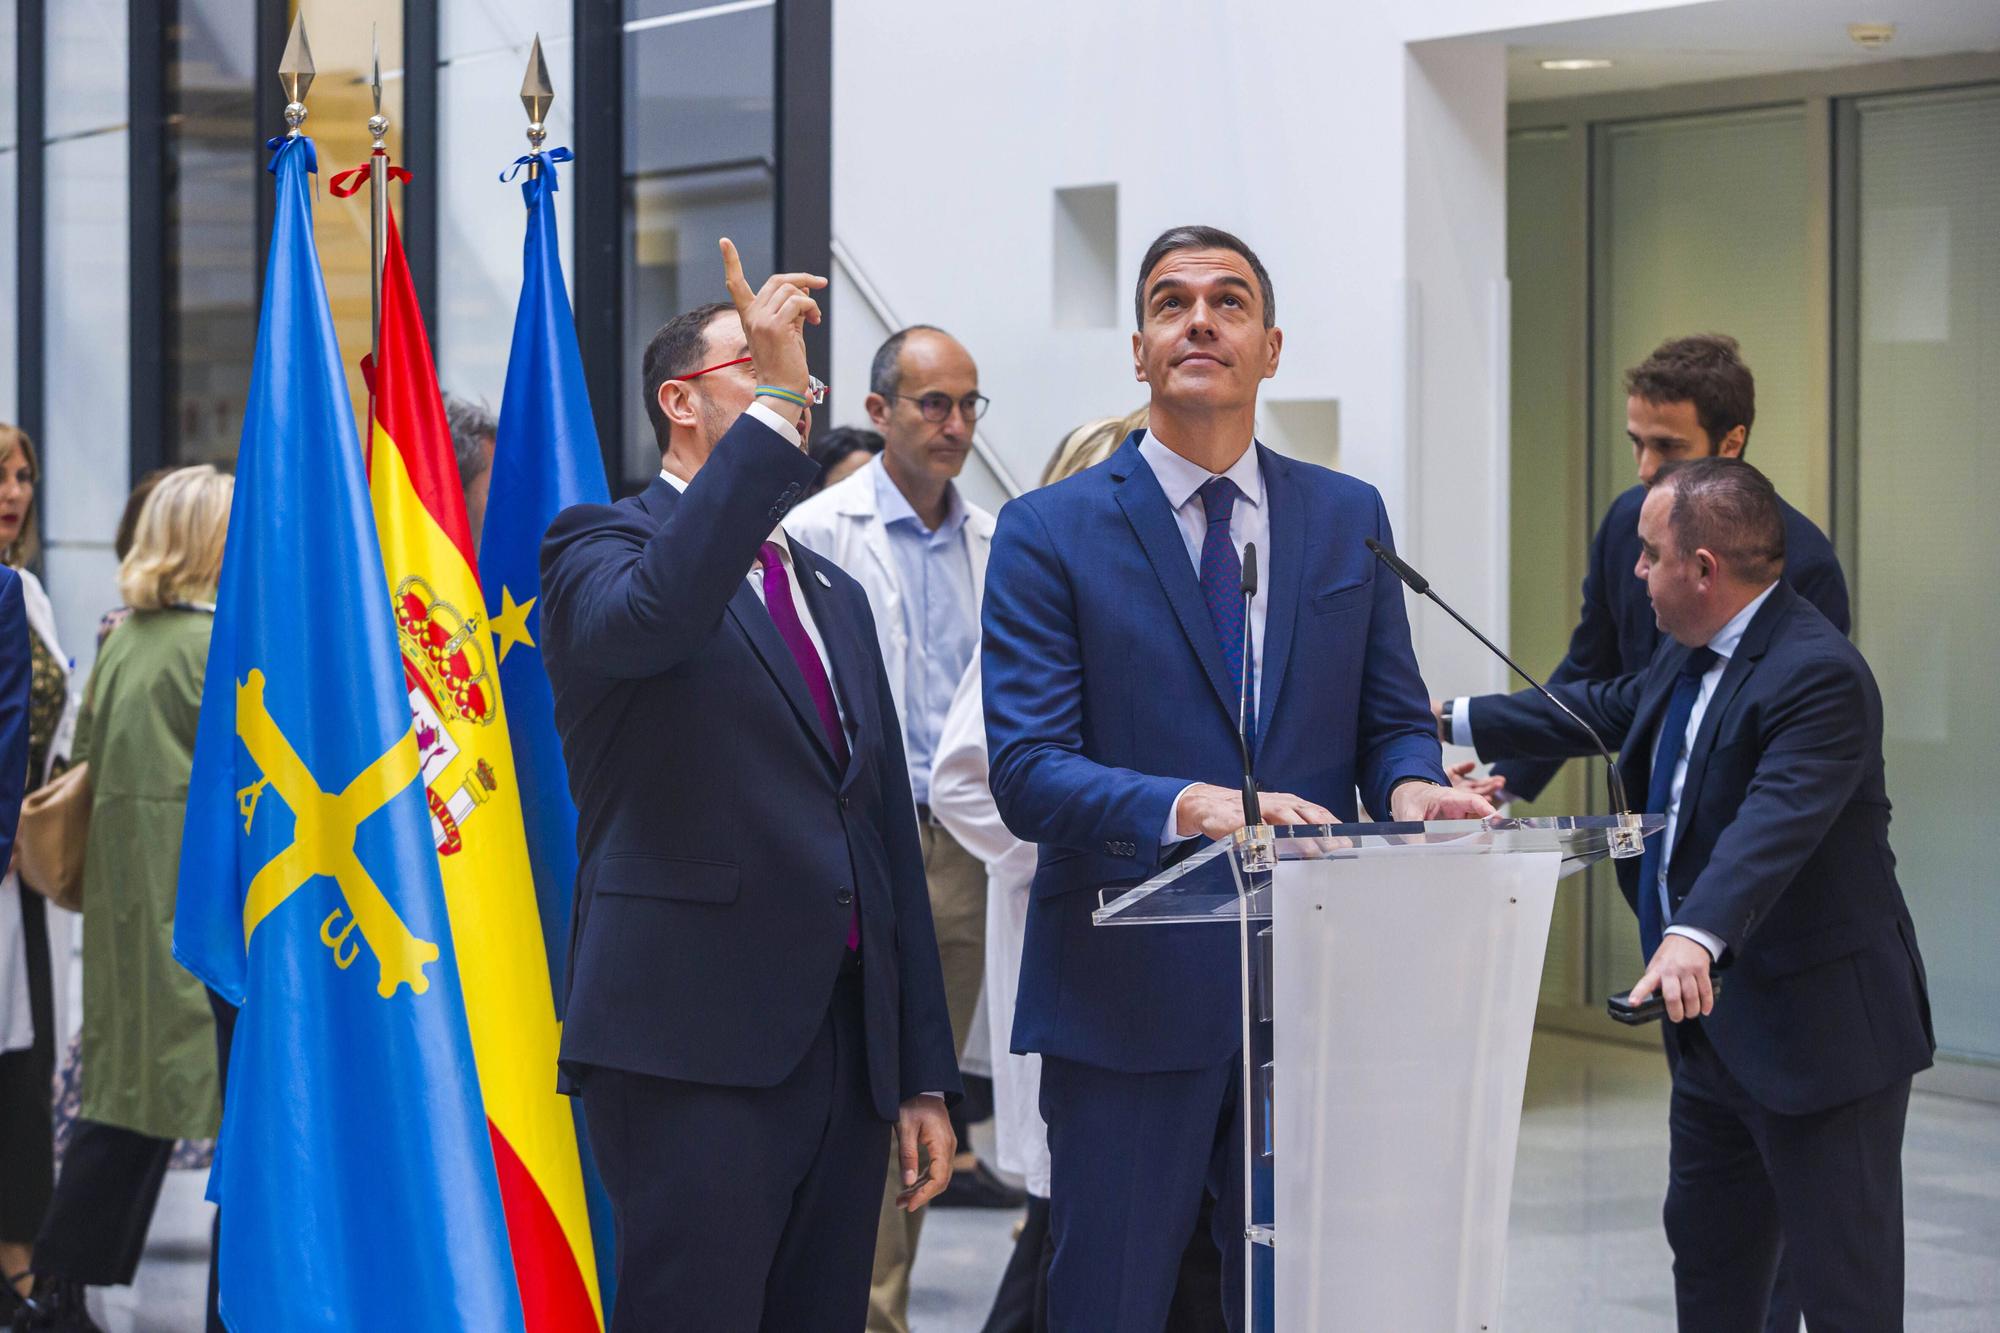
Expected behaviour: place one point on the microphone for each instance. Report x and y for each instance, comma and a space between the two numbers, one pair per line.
1626, 841
1253, 810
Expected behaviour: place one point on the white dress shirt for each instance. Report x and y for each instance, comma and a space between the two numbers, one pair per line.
1723, 645
791, 433
1249, 521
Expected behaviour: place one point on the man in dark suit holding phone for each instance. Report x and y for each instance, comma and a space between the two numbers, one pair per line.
753, 996
1757, 729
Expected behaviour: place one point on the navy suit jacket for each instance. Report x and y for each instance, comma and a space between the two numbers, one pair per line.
1616, 633
1106, 694
720, 848
1781, 851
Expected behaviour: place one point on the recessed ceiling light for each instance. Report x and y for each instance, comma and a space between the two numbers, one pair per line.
1576, 63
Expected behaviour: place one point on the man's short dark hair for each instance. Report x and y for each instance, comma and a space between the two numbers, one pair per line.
1201, 238
1731, 508
676, 349
1707, 370
885, 373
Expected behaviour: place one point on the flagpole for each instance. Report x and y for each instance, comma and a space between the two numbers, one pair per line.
537, 96
378, 205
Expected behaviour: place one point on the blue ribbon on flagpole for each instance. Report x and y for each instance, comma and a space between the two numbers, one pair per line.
280, 143
547, 161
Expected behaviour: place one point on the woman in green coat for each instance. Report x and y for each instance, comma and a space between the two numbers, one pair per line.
149, 1061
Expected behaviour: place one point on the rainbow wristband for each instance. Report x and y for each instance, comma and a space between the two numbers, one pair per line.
775, 391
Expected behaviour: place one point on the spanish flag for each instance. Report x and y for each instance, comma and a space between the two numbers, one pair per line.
451, 654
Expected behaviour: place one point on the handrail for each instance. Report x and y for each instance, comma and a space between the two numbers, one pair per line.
879, 304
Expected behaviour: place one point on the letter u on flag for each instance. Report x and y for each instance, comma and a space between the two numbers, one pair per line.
354, 1164
450, 655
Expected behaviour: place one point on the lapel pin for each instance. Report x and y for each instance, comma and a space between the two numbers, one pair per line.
820, 574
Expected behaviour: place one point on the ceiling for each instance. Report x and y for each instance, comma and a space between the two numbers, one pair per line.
1724, 39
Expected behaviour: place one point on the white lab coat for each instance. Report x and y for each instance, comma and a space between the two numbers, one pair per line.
844, 524
961, 799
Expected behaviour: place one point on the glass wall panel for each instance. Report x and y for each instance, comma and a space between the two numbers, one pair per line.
699, 164
215, 156
10, 345
481, 130
1702, 229
87, 45
87, 373
10, 186
1548, 506
86, 350
1927, 349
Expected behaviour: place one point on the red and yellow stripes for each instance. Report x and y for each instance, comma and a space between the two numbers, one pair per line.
452, 666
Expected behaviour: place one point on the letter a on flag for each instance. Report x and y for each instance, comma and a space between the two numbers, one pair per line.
353, 1166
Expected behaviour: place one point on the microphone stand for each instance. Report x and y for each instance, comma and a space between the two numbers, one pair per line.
1257, 846
1626, 840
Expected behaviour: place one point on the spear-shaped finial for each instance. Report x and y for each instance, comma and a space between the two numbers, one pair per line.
295, 73
537, 96
378, 124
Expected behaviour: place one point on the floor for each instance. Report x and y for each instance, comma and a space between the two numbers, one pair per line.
1586, 1252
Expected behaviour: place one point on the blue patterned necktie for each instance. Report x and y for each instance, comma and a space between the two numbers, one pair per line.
1222, 588
1660, 790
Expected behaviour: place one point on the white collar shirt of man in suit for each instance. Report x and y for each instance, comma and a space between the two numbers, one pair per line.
756, 575
1249, 521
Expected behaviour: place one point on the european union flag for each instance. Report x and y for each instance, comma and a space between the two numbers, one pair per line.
545, 459
354, 1169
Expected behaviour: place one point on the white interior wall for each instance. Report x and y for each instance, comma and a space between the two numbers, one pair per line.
1368, 174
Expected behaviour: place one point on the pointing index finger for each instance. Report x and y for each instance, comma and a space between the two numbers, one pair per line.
732, 277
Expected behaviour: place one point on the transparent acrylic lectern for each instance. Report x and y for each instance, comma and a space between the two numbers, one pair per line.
1390, 973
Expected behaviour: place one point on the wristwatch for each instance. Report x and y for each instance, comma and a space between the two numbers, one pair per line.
1444, 721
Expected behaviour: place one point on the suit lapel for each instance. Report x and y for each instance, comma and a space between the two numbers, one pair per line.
849, 667
1283, 578
1146, 508
1756, 638
755, 621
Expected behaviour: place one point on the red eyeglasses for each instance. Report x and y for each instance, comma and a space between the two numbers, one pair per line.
815, 389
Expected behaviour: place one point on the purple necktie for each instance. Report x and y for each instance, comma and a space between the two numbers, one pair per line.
1222, 587
785, 615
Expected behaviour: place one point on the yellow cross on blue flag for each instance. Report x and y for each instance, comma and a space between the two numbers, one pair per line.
354, 1167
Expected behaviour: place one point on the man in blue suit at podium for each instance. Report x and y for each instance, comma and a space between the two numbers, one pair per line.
1116, 645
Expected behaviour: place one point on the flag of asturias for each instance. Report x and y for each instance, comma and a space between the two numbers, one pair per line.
354, 1166
450, 651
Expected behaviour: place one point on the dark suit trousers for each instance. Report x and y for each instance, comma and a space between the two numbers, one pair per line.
745, 1208
1745, 1180
95, 1231
1131, 1156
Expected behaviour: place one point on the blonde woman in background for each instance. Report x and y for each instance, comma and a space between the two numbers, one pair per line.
961, 799
149, 1057
32, 972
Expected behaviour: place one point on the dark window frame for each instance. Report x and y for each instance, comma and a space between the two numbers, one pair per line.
30, 246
